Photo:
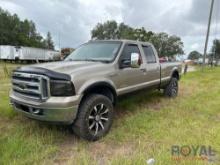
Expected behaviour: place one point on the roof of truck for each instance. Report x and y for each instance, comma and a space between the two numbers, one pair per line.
124, 40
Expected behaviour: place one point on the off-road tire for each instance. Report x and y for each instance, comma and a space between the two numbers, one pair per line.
92, 110
171, 90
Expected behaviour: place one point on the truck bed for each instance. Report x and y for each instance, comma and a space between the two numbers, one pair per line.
166, 68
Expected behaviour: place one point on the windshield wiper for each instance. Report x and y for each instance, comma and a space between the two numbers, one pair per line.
74, 60
92, 60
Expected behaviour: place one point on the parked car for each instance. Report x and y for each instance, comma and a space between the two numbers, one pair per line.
82, 90
162, 59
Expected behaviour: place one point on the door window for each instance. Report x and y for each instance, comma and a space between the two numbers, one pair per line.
128, 49
126, 54
149, 53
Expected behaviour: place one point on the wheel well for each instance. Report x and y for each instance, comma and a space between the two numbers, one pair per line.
176, 75
103, 89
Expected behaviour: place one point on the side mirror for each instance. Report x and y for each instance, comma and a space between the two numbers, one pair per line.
135, 60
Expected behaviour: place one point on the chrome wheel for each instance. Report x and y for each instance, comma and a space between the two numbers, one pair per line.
98, 118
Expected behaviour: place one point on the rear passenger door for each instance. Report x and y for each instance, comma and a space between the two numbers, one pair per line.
152, 65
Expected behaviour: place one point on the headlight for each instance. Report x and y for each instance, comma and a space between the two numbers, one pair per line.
61, 88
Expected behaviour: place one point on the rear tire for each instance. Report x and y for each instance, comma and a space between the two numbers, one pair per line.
171, 90
95, 117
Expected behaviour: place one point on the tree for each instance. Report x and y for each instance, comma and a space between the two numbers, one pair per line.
125, 32
66, 51
108, 30
49, 42
166, 45
142, 35
216, 50
194, 55
14, 31
112, 30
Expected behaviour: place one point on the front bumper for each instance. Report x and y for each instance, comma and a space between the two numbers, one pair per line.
55, 109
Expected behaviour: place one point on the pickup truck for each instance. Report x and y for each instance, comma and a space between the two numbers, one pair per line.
82, 90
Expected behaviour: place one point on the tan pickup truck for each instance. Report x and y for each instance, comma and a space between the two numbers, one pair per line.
82, 90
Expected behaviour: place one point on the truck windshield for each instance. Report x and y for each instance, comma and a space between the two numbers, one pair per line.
104, 51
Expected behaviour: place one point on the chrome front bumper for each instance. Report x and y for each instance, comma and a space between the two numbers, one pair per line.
54, 109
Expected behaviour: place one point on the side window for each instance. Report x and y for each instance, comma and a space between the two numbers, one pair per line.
128, 49
149, 53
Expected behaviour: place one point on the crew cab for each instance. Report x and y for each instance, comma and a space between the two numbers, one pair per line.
82, 90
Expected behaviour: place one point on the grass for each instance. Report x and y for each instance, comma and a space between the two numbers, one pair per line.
146, 126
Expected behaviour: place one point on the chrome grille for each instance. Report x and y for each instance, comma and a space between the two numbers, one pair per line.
30, 85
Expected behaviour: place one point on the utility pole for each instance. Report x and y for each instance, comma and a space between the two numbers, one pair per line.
207, 35
59, 45
59, 41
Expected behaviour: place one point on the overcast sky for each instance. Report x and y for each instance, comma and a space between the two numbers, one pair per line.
74, 19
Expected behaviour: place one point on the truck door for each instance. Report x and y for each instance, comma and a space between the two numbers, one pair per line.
129, 78
152, 65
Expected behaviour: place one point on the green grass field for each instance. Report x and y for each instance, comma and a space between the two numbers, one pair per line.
146, 126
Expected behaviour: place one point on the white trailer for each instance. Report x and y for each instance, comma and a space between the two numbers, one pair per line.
8, 52
23, 53
29, 53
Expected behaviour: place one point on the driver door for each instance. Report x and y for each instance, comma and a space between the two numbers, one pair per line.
129, 78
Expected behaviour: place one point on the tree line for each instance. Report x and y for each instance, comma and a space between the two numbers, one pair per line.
166, 45
17, 32
213, 55
215, 50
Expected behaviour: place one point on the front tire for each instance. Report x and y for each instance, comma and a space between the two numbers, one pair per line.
95, 117
172, 88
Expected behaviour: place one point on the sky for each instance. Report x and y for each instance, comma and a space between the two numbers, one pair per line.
71, 21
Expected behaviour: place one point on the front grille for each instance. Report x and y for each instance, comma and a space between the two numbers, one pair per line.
30, 85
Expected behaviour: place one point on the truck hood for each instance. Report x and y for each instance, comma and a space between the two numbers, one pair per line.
66, 67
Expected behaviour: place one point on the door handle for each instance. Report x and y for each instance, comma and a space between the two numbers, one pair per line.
143, 70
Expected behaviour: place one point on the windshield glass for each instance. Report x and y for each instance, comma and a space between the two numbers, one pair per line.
104, 51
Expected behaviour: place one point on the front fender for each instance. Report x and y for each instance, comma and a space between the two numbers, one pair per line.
95, 82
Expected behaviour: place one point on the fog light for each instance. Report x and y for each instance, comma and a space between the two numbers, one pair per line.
37, 111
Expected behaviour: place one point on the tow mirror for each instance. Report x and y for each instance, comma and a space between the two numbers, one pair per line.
135, 60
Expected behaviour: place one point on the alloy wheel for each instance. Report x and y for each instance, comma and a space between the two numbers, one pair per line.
98, 118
